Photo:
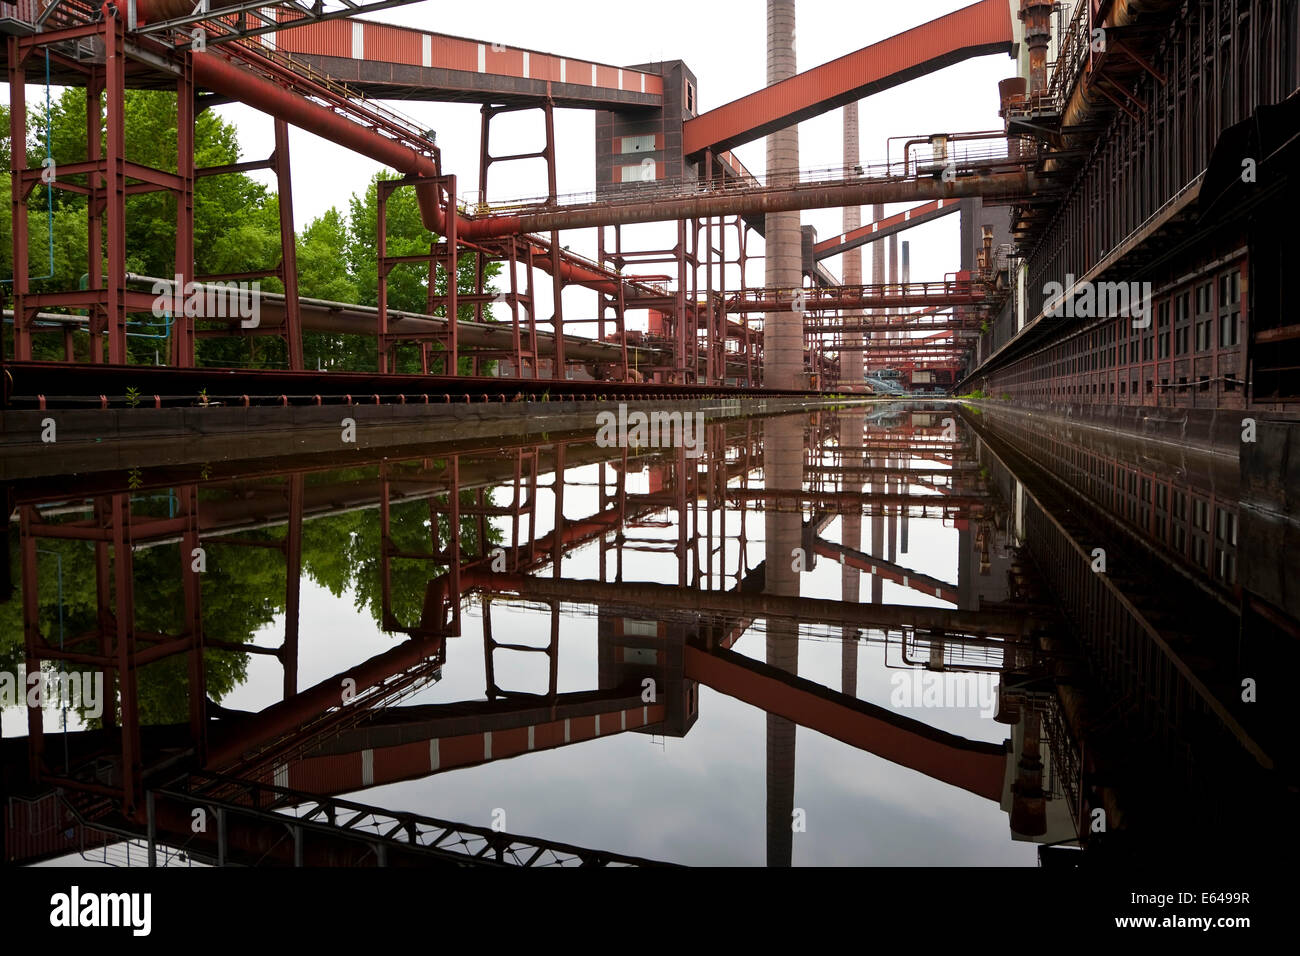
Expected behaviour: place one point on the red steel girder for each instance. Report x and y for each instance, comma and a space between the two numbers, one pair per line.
926, 212
977, 30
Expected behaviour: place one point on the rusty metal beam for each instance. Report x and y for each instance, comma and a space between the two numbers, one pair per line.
980, 29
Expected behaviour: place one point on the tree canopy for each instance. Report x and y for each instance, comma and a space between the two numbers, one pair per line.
236, 230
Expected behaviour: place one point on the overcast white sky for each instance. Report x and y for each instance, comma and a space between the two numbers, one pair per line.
724, 44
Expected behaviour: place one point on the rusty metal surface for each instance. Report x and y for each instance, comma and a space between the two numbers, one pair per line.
977, 30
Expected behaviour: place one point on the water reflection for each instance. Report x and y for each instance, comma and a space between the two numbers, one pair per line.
381, 636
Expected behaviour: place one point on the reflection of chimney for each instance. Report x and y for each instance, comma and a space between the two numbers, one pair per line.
1008, 703
1028, 803
1037, 16
783, 467
851, 426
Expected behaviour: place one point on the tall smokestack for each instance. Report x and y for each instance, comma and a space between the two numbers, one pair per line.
1037, 17
783, 242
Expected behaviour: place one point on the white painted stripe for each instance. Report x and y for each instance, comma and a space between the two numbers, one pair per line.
620, 79
904, 580
268, 39
907, 214
645, 715
622, 716
593, 74
435, 758
531, 728
566, 730
282, 775
563, 70
642, 82
367, 768
936, 591
487, 745
940, 206
482, 58
526, 76
875, 226
598, 725
358, 40
426, 50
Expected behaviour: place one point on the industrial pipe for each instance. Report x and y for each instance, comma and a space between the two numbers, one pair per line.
756, 202
216, 72
156, 11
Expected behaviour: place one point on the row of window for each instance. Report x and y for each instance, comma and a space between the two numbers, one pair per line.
1215, 323
1171, 516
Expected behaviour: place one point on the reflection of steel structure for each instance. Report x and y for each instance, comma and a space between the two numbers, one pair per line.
686, 512
114, 647
1135, 680
329, 831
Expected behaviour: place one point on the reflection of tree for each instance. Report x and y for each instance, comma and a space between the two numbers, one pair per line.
159, 608
344, 551
243, 589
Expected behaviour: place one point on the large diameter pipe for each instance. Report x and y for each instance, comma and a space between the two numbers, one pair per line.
220, 74
156, 11
214, 71
995, 185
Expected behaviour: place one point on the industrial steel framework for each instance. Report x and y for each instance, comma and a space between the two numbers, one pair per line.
700, 332
117, 778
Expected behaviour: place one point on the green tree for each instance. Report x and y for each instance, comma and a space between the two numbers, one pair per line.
236, 230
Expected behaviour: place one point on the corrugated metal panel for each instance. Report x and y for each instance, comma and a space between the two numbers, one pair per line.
388, 45
25, 10
505, 62
402, 760
329, 773
510, 742
330, 38
450, 53
544, 67
43, 828
393, 44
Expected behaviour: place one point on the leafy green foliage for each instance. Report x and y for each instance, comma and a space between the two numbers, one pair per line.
236, 230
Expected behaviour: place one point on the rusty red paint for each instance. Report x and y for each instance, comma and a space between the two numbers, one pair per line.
981, 28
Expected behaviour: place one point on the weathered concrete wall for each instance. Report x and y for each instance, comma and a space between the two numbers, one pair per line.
1217, 431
